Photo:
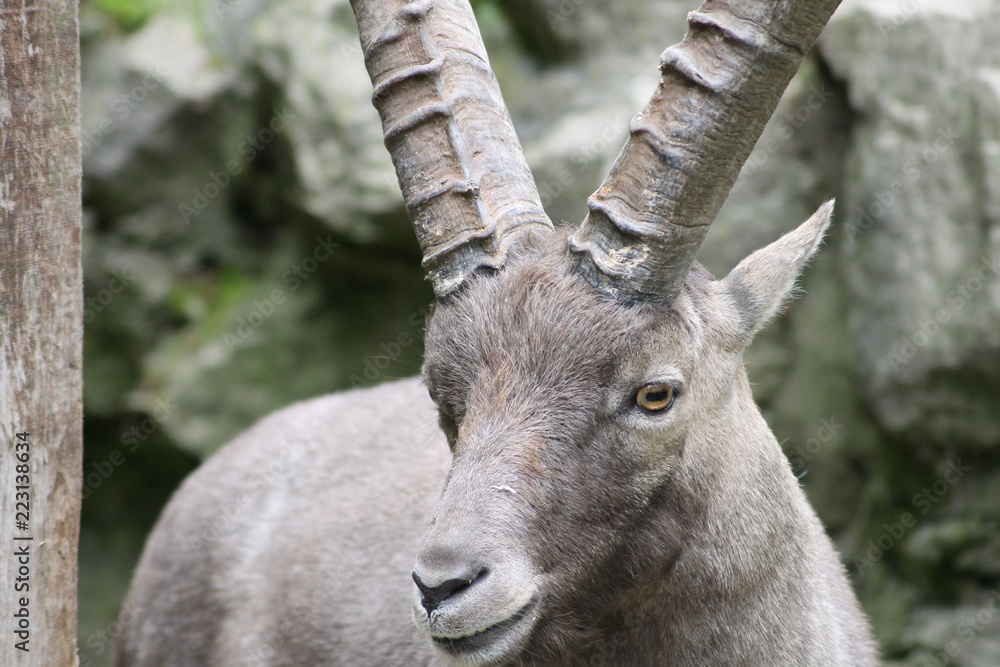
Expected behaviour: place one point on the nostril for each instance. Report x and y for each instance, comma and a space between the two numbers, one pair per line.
432, 596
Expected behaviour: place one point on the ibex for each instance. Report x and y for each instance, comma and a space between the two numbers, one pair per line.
611, 493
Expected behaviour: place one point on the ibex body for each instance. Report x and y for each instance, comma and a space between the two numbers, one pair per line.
587, 524
612, 494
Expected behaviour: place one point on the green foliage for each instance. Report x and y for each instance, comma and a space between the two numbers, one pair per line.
489, 14
130, 15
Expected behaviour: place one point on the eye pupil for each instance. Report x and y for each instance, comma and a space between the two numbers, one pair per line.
655, 397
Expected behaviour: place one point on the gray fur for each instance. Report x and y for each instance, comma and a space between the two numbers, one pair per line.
622, 538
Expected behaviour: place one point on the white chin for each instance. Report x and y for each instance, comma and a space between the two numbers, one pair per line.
491, 645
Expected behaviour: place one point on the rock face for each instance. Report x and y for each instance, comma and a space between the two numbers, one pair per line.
921, 216
921, 243
246, 247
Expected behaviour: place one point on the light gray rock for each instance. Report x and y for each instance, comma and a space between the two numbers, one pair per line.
920, 209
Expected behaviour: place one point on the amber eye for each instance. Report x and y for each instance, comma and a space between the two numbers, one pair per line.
655, 397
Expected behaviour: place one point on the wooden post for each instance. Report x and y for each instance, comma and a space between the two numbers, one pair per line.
41, 331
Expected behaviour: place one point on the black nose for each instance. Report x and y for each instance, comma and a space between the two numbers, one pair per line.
431, 596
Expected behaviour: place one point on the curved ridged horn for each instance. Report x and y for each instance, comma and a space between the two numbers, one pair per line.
717, 90
467, 187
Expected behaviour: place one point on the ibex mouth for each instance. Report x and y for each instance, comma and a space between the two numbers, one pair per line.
486, 638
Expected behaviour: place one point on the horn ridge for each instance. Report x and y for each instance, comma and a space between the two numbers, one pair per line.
466, 185
717, 90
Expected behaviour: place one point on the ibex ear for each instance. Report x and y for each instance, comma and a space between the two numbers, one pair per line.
759, 285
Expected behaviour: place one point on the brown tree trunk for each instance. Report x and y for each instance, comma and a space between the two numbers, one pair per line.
41, 326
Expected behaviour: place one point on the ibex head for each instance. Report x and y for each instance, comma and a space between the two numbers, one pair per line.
584, 432
591, 387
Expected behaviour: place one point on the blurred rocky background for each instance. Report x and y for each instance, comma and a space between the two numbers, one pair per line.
246, 247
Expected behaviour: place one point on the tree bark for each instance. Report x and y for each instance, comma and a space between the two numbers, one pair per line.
41, 315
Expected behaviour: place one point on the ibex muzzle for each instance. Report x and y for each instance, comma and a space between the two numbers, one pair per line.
613, 495
474, 590
474, 583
